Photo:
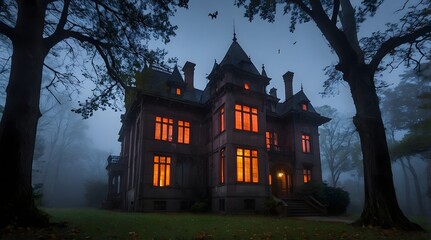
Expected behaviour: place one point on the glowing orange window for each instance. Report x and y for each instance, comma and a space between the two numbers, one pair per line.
270, 179
307, 175
305, 143
162, 171
183, 132
246, 118
268, 140
222, 127
163, 129
247, 165
246, 86
304, 106
178, 91
222, 162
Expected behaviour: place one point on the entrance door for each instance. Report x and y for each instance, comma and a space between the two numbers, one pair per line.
284, 184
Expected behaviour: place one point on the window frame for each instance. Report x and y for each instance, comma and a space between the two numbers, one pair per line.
163, 130
246, 118
306, 174
222, 121
306, 143
159, 179
183, 132
247, 165
222, 165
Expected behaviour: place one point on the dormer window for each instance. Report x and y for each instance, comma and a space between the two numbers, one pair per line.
246, 86
304, 106
178, 91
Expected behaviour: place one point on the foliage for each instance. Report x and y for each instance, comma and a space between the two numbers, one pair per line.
336, 199
200, 206
95, 192
108, 41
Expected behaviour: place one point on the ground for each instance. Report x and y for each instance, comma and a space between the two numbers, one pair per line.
100, 224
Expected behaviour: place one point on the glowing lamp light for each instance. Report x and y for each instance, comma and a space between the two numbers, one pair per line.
280, 174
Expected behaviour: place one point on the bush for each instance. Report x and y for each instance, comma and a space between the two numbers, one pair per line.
336, 199
199, 207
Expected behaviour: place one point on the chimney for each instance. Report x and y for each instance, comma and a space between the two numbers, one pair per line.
288, 84
273, 92
189, 72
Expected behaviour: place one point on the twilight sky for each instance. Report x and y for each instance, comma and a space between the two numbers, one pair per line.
202, 40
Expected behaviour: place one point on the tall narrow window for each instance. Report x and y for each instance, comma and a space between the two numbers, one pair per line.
272, 141
268, 140
183, 132
247, 165
246, 86
163, 130
222, 127
307, 175
270, 179
304, 106
305, 143
246, 118
178, 91
162, 171
222, 162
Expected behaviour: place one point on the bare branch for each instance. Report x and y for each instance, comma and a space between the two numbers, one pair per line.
395, 42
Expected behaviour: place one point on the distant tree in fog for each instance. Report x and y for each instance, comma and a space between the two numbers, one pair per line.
337, 138
403, 112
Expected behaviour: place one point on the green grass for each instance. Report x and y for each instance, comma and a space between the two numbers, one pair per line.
100, 224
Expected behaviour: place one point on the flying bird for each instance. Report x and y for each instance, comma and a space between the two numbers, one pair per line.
213, 15
294, 43
278, 51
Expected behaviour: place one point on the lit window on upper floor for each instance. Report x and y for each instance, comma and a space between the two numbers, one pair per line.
222, 126
178, 91
246, 118
183, 132
305, 143
272, 141
246, 86
163, 130
304, 106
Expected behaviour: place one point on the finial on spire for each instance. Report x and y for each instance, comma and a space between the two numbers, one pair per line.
234, 33
302, 88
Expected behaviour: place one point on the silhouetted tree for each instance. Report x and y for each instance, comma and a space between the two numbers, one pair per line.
358, 62
107, 39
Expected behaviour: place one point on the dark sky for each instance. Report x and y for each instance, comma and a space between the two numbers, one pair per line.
202, 40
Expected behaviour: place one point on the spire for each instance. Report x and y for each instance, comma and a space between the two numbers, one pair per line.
302, 88
263, 71
234, 33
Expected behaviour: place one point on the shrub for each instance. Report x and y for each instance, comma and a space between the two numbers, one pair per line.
336, 199
199, 206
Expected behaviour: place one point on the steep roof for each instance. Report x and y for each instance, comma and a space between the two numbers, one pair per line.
236, 57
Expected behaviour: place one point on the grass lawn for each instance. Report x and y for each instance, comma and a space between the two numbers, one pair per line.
101, 224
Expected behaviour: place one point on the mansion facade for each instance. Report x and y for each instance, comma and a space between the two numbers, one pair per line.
231, 145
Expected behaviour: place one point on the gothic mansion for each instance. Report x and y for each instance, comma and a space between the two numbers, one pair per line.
231, 145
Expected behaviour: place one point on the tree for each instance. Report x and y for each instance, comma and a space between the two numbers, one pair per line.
106, 39
402, 111
336, 143
358, 62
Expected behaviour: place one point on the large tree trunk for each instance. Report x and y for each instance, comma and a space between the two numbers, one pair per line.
381, 206
19, 122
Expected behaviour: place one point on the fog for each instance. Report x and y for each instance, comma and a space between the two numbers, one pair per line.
70, 155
